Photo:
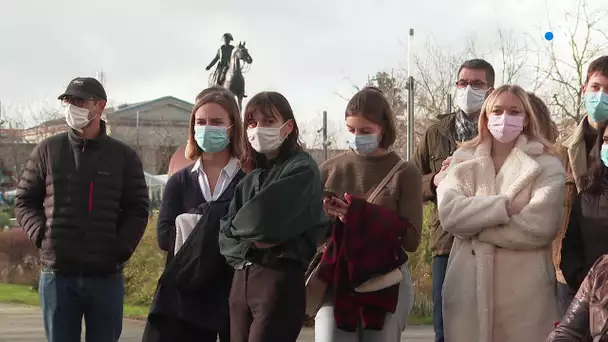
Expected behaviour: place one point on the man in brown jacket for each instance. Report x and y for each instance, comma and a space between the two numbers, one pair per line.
475, 82
577, 157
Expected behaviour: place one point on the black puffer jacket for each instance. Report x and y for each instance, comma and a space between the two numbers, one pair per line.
84, 203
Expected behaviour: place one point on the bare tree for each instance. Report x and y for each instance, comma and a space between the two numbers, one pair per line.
12, 155
167, 139
436, 67
28, 125
435, 73
586, 34
514, 53
312, 129
154, 139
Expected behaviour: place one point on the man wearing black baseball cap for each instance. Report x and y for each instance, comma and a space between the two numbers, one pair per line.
83, 201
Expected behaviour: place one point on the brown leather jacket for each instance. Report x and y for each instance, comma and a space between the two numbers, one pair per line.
587, 316
438, 144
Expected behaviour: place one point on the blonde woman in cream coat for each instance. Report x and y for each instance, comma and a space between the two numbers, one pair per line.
502, 200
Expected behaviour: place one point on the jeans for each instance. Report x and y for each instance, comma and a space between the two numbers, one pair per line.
394, 323
565, 295
66, 299
439, 266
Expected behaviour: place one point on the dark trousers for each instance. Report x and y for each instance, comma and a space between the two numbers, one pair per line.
170, 329
565, 295
267, 304
66, 299
439, 266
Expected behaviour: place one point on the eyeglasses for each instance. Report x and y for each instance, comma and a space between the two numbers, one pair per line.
76, 101
476, 84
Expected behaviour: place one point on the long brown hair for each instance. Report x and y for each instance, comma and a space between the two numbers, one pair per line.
226, 100
532, 130
270, 104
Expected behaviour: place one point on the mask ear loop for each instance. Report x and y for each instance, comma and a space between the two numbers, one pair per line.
283, 125
96, 115
228, 136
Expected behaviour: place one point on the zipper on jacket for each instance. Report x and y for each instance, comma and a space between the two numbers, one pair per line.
84, 144
91, 186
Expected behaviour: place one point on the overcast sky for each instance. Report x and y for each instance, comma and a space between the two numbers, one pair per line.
308, 50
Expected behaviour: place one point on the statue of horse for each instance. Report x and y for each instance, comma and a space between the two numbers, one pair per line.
234, 80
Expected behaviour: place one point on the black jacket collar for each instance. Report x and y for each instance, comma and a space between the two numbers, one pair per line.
79, 142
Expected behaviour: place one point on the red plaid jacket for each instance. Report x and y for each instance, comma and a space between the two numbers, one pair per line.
368, 245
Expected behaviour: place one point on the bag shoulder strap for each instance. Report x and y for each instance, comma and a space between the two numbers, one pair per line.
382, 184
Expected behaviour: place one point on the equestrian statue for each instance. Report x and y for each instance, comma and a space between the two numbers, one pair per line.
229, 71
228, 74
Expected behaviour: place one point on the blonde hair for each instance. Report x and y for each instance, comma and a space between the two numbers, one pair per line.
533, 130
226, 100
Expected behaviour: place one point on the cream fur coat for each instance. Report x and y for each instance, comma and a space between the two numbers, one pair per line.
500, 281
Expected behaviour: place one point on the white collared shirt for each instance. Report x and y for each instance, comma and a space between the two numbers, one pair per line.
226, 176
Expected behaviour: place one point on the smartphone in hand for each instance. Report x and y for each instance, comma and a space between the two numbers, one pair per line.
329, 194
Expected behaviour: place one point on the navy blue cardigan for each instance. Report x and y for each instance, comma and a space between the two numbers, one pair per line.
200, 298
181, 194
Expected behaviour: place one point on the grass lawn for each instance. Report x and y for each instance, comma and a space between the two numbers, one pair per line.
420, 320
22, 294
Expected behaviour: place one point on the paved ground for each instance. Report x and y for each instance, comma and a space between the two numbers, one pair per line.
24, 324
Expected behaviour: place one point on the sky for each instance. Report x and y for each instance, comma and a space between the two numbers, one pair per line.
310, 51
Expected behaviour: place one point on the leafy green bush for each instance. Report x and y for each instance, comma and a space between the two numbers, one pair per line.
4, 220
144, 268
419, 264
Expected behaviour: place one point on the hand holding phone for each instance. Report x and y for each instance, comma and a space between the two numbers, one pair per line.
334, 206
329, 194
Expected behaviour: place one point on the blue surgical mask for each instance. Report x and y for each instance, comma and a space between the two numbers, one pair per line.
604, 154
363, 143
596, 105
211, 139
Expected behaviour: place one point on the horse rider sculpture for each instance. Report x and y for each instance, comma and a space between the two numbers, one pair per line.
223, 56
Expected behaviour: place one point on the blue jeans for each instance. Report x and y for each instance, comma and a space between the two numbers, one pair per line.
439, 266
66, 299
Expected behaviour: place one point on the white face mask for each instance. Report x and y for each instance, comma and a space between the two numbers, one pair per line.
76, 117
265, 139
470, 100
